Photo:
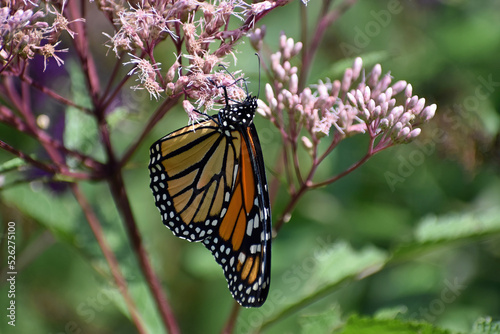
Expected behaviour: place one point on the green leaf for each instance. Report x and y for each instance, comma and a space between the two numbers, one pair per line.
458, 226
334, 265
364, 325
390, 312
437, 231
12, 164
117, 116
59, 216
486, 326
62, 215
341, 261
324, 322
80, 130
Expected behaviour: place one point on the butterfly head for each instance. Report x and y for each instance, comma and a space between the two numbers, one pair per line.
238, 115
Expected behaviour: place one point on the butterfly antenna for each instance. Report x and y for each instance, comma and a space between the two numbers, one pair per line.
258, 57
235, 80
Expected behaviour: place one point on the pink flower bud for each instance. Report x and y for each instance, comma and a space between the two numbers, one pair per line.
323, 90
335, 88
347, 79
375, 75
296, 48
364, 114
398, 87
381, 98
282, 41
391, 103
397, 128
356, 67
384, 124
306, 142
419, 106
352, 99
428, 112
411, 102
408, 91
384, 107
360, 98
397, 112
404, 133
384, 83
388, 92
294, 83
170, 89
287, 66
370, 105
367, 94
274, 103
406, 118
188, 107
269, 92
414, 134
263, 109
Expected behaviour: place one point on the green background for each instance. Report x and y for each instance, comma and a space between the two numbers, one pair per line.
425, 249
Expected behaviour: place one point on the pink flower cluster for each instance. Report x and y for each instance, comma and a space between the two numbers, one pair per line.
192, 26
358, 103
25, 32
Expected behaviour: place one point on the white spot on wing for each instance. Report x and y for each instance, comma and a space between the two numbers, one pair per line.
242, 257
249, 227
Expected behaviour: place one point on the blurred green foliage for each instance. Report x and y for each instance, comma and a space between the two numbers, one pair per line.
363, 255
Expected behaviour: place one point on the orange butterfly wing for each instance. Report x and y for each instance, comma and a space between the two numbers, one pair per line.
209, 185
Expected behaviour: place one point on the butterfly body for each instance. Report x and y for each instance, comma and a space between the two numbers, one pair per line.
209, 185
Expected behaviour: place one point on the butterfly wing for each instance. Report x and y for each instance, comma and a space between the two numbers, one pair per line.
191, 173
242, 244
211, 186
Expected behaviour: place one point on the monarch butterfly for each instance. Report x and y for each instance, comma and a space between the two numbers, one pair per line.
209, 184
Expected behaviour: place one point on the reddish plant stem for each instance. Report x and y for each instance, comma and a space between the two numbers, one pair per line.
21, 102
107, 99
289, 208
115, 179
96, 227
231, 321
233, 36
304, 38
344, 173
294, 130
307, 185
352, 168
38, 164
51, 169
336, 139
117, 187
49, 92
82, 50
326, 19
8, 117
114, 73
